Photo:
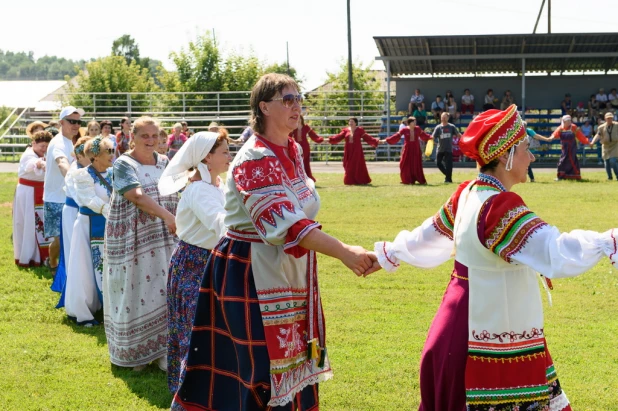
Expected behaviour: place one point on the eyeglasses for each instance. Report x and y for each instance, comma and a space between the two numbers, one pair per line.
74, 122
289, 99
110, 151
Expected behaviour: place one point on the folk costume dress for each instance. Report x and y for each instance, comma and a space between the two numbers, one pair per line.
83, 296
486, 348
411, 161
300, 136
138, 247
199, 226
353, 157
30, 246
67, 221
258, 339
568, 164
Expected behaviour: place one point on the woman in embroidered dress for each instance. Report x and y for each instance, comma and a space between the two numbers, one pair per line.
92, 190
68, 218
175, 140
300, 136
30, 247
199, 225
139, 241
353, 157
258, 340
486, 347
568, 165
411, 162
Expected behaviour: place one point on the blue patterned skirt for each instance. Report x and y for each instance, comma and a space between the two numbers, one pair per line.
186, 270
227, 367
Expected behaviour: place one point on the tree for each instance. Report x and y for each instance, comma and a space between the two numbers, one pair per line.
23, 66
126, 47
108, 75
282, 68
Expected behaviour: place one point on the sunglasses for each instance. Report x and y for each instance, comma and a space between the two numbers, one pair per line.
74, 122
110, 151
289, 99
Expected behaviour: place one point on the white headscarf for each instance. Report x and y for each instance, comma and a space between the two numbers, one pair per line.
193, 151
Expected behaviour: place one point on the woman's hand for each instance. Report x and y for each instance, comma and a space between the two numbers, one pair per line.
358, 259
376, 265
170, 222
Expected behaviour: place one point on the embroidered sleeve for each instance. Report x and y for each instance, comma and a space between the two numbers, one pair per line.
125, 176
519, 236
260, 183
506, 224
85, 193
444, 220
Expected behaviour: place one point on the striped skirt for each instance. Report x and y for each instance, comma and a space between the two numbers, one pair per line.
227, 367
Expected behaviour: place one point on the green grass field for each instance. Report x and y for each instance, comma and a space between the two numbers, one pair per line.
376, 326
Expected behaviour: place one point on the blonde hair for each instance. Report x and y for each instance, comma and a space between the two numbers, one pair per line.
142, 122
91, 123
264, 90
88, 146
80, 142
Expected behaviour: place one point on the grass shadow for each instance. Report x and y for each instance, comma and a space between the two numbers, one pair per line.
149, 384
97, 331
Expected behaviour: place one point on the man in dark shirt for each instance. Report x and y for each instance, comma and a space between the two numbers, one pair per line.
444, 133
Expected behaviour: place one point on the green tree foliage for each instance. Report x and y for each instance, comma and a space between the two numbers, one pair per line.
282, 68
23, 66
125, 46
4, 113
110, 75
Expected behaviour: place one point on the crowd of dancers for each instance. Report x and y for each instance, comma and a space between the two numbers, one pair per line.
217, 282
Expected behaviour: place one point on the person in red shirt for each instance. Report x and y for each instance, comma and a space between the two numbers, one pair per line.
353, 157
411, 162
300, 136
123, 137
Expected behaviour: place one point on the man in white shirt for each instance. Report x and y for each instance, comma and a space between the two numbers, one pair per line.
417, 100
58, 161
602, 98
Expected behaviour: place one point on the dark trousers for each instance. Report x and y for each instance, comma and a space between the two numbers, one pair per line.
445, 164
530, 173
611, 164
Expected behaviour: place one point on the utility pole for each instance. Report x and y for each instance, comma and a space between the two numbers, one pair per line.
287, 52
549, 16
350, 78
538, 17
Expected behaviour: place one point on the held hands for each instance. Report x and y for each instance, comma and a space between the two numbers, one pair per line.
360, 261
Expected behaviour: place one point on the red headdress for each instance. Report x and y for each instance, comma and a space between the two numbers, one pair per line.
491, 134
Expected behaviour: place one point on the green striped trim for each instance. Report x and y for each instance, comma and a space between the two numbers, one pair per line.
551, 372
445, 219
509, 353
498, 395
506, 242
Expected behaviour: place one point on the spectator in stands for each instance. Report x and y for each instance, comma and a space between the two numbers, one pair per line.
568, 165
448, 95
404, 123
507, 101
533, 140
587, 130
607, 134
612, 100
162, 147
175, 140
567, 106
213, 127
444, 133
580, 112
467, 102
601, 98
244, 136
593, 107
437, 107
30, 247
420, 114
93, 129
58, 161
490, 100
186, 130
417, 100
123, 137
451, 108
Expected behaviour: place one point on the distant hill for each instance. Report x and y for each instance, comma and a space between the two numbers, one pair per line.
23, 66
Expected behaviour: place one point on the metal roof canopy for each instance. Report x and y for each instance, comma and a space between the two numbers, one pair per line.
503, 53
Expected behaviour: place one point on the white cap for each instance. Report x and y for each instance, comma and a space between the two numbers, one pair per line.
68, 110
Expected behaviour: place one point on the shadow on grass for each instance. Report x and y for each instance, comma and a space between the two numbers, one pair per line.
97, 331
149, 384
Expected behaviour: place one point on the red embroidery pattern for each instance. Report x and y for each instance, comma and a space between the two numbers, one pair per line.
511, 335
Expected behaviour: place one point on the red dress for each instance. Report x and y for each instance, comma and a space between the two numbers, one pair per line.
300, 136
353, 157
411, 162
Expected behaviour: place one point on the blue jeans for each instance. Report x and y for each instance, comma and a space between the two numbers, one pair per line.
611, 164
